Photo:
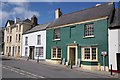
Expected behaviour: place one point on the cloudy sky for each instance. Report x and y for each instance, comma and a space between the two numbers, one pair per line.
45, 11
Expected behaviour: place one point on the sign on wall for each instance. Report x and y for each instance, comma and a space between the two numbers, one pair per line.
103, 53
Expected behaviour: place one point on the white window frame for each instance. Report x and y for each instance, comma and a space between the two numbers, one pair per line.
26, 51
88, 30
26, 40
39, 40
56, 53
38, 53
56, 34
83, 54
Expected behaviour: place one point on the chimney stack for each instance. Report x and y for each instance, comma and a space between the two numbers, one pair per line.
58, 13
34, 20
17, 20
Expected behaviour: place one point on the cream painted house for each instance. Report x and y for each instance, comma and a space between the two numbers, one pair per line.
13, 35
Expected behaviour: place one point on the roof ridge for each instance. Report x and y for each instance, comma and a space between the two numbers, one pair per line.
87, 8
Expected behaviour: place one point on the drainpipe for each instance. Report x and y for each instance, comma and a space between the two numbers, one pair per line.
111, 69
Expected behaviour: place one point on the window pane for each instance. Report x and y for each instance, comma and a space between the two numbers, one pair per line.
57, 34
26, 40
59, 53
93, 53
16, 37
89, 30
87, 53
38, 39
26, 51
19, 37
54, 52
37, 51
41, 51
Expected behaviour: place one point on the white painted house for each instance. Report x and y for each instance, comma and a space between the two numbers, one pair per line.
34, 42
114, 42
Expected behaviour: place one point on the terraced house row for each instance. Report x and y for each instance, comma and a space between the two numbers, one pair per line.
88, 38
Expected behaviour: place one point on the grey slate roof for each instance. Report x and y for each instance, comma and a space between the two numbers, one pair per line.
37, 28
26, 20
86, 14
10, 21
116, 19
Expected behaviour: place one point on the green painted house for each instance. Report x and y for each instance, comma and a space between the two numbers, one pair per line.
80, 37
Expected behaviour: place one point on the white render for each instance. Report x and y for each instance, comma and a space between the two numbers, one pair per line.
114, 47
32, 41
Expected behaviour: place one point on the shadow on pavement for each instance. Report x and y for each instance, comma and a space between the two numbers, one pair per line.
3, 58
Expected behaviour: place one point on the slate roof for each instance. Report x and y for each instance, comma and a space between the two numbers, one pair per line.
116, 19
26, 20
10, 21
37, 28
100, 11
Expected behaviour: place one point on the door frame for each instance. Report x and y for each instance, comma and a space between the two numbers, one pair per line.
76, 53
117, 61
32, 53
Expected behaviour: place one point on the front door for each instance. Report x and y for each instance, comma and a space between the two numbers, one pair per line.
118, 61
72, 55
31, 55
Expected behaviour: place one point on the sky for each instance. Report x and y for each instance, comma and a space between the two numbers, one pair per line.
45, 11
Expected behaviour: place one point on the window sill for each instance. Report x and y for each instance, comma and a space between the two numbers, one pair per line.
38, 44
88, 37
56, 40
56, 58
91, 60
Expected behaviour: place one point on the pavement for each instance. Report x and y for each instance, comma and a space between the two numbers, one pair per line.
114, 75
